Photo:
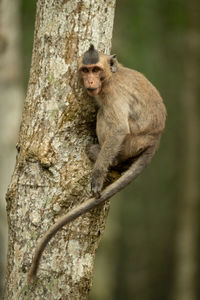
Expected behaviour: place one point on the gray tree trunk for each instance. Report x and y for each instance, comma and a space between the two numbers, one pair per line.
186, 260
11, 97
52, 172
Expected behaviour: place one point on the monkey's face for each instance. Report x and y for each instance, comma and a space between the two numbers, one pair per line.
92, 76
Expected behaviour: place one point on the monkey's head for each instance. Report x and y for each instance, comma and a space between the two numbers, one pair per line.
95, 69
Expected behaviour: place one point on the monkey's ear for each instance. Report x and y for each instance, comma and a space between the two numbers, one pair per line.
113, 63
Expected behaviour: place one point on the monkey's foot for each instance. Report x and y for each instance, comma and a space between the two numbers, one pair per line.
93, 151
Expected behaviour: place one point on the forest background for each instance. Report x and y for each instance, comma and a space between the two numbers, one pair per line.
150, 250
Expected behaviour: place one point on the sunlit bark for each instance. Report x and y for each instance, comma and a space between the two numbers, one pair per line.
52, 172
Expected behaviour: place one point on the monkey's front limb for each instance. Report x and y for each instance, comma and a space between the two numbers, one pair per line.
105, 158
135, 169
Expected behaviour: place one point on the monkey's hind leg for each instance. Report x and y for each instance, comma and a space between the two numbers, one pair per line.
93, 151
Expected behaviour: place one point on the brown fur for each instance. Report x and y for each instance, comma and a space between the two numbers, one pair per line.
130, 121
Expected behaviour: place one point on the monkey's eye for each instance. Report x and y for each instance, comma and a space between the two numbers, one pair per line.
85, 70
96, 69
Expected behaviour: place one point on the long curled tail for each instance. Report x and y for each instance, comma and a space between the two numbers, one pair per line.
135, 169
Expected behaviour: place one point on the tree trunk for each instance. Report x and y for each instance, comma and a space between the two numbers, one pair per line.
185, 287
11, 97
52, 172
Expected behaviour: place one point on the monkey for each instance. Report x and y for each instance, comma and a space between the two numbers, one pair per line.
130, 121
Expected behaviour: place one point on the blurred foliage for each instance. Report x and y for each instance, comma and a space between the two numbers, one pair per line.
28, 10
149, 36
144, 38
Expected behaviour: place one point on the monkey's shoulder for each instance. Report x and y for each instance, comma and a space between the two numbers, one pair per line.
143, 98
135, 84
134, 78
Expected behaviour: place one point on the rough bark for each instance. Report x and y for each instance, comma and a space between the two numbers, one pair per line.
11, 97
185, 285
52, 172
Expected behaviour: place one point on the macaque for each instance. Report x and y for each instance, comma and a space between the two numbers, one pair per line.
130, 121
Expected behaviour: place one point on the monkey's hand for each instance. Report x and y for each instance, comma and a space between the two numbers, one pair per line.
97, 182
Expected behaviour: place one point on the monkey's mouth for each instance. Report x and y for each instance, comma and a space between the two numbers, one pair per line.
93, 91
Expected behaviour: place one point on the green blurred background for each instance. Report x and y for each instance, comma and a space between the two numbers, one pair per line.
150, 250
